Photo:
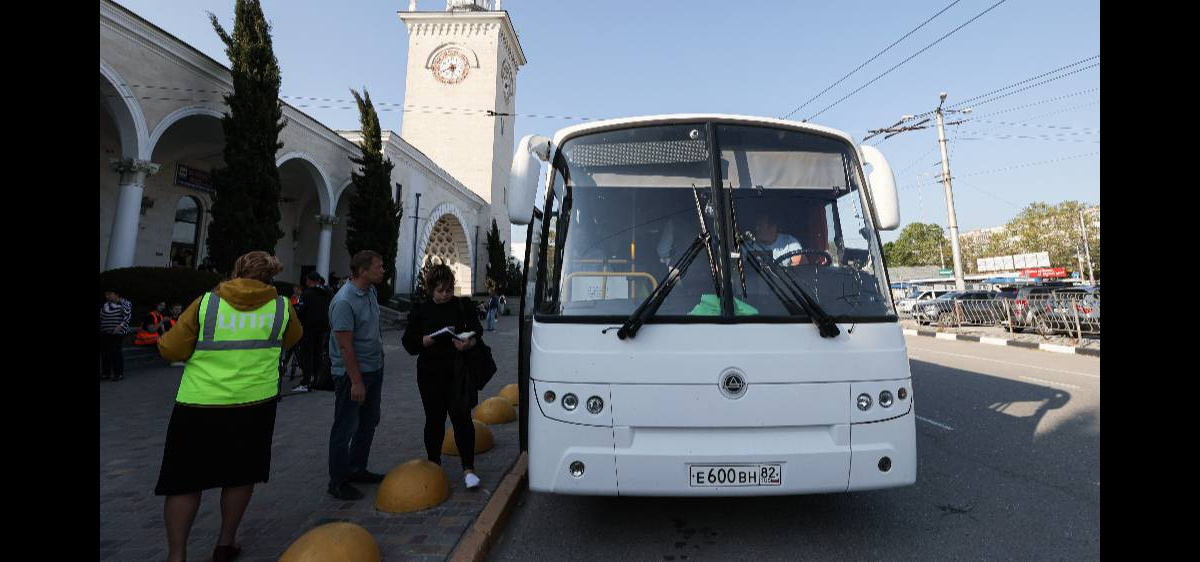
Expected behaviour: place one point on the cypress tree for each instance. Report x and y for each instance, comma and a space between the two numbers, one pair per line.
245, 207
374, 222
497, 266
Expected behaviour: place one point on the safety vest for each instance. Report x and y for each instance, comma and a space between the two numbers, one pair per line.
236, 360
148, 338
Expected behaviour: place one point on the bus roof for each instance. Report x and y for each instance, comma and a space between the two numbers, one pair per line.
666, 119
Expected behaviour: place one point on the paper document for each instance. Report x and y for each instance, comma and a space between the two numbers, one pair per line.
450, 331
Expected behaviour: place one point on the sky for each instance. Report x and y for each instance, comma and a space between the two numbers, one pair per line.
621, 58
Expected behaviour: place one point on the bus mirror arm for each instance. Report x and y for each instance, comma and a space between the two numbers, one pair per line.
523, 177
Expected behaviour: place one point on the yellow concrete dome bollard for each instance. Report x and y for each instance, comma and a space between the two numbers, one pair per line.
513, 393
334, 542
415, 485
495, 410
483, 439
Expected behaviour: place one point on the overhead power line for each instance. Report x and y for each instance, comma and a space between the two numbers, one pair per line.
1031, 79
868, 61
901, 63
1013, 167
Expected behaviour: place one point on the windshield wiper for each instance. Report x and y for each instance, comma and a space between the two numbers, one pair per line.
794, 297
648, 307
737, 240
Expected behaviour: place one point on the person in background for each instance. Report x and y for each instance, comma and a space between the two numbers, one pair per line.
115, 314
153, 326
173, 317
493, 310
223, 422
314, 316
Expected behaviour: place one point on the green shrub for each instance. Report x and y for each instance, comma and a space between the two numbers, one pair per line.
147, 286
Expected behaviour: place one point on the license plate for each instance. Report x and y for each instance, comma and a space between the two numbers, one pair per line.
735, 475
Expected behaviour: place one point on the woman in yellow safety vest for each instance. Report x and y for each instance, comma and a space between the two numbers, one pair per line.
221, 428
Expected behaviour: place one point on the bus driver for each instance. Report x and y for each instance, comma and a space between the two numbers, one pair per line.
767, 236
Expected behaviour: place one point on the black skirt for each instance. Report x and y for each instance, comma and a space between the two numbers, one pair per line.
216, 448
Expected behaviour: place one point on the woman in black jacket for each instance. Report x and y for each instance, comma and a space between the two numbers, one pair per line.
440, 394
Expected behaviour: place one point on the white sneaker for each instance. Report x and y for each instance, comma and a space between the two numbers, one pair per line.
178, 364
472, 480
299, 388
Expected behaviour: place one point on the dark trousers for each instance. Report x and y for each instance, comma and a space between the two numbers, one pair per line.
312, 356
435, 388
353, 427
112, 360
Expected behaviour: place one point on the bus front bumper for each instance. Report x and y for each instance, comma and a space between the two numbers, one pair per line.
658, 461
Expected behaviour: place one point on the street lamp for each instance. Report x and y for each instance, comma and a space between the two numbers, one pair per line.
417, 188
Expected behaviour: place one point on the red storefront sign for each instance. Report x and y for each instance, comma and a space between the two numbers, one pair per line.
1045, 272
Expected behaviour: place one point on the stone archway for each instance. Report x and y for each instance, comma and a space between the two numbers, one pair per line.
303, 198
446, 241
188, 144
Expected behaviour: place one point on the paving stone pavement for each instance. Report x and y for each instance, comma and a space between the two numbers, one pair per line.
133, 426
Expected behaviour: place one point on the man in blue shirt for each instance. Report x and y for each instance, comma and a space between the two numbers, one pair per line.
768, 237
356, 358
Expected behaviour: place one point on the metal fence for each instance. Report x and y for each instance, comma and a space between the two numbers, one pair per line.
1047, 315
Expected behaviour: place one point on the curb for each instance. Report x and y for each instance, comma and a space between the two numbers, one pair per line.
1054, 348
479, 538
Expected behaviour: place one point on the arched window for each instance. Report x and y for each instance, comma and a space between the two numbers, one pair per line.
185, 238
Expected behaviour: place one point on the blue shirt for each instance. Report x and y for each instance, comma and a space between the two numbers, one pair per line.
784, 243
357, 311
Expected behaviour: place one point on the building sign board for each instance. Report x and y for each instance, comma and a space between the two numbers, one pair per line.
193, 178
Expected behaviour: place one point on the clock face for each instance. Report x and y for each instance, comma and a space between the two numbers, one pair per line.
506, 82
450, 66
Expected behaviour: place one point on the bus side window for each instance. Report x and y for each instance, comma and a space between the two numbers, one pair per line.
553, 208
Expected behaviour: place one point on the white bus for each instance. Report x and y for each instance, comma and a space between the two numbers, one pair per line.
706, 311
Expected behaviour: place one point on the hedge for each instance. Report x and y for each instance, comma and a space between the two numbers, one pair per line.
147, 286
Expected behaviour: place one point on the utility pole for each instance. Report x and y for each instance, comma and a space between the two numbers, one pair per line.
412, 290
955, 249
1086, 250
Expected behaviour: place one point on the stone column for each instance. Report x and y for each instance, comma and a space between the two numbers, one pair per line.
122, 243
324, 243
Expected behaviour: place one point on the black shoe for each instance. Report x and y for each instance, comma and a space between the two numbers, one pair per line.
366, 477
345, 492
118, 377
105, 377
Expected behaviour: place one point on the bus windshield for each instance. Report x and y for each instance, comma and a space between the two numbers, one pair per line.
789, 200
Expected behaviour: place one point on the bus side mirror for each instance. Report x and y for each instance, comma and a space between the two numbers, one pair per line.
882, 184
523, 177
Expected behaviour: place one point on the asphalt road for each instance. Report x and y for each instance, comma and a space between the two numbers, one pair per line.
1008, 445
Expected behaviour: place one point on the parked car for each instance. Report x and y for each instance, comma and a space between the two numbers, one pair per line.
1051, 309
1082, 303
906, 304
957, 308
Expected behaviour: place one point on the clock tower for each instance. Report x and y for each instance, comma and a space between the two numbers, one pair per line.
462, 64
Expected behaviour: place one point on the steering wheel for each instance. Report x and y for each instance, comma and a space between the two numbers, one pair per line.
822, 258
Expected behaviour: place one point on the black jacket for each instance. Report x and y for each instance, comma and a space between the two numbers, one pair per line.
427, 318
313, 310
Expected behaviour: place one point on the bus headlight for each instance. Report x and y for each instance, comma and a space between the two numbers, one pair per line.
902, 393
864, 401
569, 402
576, 467
885, 399
549, 396
595, 404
